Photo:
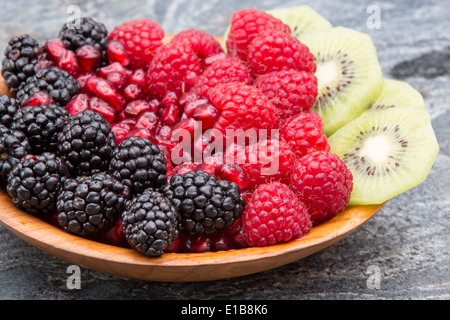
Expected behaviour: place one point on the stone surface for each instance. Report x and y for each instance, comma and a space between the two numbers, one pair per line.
408, 240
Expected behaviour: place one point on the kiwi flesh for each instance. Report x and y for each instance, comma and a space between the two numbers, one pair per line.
388, 152
301, 19
397, 94
348, 73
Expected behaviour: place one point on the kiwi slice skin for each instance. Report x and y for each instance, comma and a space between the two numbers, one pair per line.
348, 72
388, 152
301, 19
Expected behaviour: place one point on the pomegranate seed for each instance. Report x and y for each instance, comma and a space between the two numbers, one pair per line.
79, 103
211, 165
90, 85
187, 98
189, 124
154, 105
169, 99
39, 98
166, 152
170, 115
133, 92
82, 78
197, 244
117, 80
164, 142
100, 106
190, 108
108, 94
68, 62
44, 63
139, 78
142, 133
165, 132
121, 131
149, 121
136, 108
54, 47
207, 114
129, 121
175, 247
116, 53
185, 168
113, 67
114, 236
234, 173
88, 57
222, 241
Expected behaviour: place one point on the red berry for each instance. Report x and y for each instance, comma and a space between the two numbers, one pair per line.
88, 58
203, 44
245, 25
324, 183
274, 215
276, 51
291, 91
39, 98
222, 71
304, 134
77, 104
266, 161
175, 68
207, 114
54, 48
68, 62
116, 53
141, 38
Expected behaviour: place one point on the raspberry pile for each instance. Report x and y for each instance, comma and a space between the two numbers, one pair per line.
91, 136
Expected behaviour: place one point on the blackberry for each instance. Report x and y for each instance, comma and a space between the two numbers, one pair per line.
88, 204
21, 56
8, 108
89, 32
14, 145
150, 223
86, 143
58, 83
139, 164
33, 184
205, 203
42, 125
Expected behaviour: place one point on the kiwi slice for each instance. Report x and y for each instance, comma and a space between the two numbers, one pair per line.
397, 94
301, 19
388, 152
348, 73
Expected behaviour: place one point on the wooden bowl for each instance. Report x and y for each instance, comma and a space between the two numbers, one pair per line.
175, 267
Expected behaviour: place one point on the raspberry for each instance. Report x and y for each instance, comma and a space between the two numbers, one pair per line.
291, 91
243, 107
174, 68
324, 183
276, 51
304, 134
203, 44
141, 39
221, 71
266, 161
245, 25
273, 215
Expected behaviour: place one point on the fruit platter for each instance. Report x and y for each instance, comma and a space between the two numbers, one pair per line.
195, 157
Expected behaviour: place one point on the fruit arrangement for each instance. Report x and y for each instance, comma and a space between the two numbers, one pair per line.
292, 119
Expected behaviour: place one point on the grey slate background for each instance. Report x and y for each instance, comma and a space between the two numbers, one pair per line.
408, 239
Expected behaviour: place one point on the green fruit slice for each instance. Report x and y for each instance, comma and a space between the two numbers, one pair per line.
397, 94
348, 73
301, 19
388, 152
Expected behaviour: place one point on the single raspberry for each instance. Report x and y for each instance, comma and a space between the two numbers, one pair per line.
141, 39
221, 71
266, 161
324, 183
291, 91
243, 107
304, 134
203, 44
276, 51
174, 68
274, 214
245, 25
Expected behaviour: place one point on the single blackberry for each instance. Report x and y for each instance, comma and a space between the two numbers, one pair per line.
58, 83
86, 143
8, 108
14, 145
21, 56
88, 204
33, 184
139, 164
88, 32
42, 125
205, 203
150, 223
